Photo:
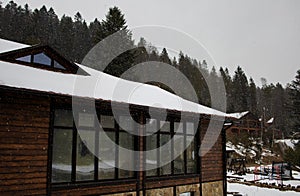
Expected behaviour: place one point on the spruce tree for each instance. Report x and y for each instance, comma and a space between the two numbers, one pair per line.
164, 57
294, 100
240, 90
115, 22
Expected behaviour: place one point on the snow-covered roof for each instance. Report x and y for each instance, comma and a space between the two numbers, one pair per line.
6, 45
97, 85
237, 115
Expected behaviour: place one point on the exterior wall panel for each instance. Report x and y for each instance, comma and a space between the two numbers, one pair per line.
24, 127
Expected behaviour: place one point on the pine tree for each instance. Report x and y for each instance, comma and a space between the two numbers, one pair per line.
294, 100
228, 86
252, 97
95, 29
240, 90
115, 22
164, 57
82, 40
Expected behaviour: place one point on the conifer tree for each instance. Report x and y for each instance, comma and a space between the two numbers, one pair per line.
240, 90
115, 22
294, 100
164, 57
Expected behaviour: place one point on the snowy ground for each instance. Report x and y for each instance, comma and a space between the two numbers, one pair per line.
257, 191
246, 190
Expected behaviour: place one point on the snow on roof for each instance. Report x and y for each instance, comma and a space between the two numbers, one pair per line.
271, 120
6, 45
97, 85
237, 115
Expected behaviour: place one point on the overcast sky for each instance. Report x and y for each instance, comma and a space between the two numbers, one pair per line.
262, 36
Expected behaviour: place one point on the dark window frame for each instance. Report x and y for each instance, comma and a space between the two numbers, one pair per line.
136, 146
196, 140
116, 130
32, 61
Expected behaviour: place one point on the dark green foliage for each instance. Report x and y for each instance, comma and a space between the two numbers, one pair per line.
294, 103
240, 90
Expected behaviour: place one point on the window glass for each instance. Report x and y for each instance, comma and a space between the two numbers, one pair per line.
126, 159
178, 127
63, 118
191, 155
62, 155
164, 126
151, 126
58, 65
126, 123
107, 121
151, 158
84, 157
86, 120
25, 58
179, 154
42, 58
165, 154
107, 154
190, 129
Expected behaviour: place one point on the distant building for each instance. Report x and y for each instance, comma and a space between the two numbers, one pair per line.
44, 143
247, 122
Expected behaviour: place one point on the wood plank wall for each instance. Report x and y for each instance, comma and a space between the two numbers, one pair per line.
24, 126
211, 162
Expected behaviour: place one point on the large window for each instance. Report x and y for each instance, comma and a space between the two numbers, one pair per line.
179, 142
83, 153
75, 147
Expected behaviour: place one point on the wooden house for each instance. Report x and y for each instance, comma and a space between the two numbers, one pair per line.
44, 143
247, 122
244, 122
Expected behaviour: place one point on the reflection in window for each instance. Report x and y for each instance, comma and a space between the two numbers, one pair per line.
107, 121
165, 154
178, 152
190, 129
191, 156
106, 156
42, 58
25, 59
126, 123
151, 126
178, 127
84, 157
164, 126
62, 155
63, 118
86, 120
58, 65
126, 159
151, 158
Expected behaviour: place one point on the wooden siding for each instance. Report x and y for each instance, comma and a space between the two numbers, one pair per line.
171, 181
212, 161
24, 127
109, 188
